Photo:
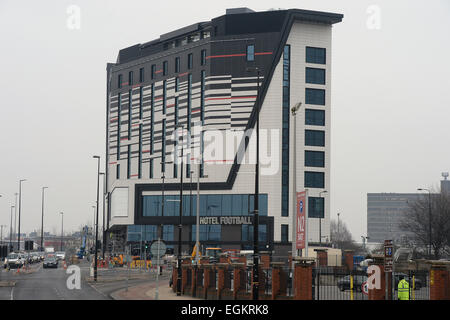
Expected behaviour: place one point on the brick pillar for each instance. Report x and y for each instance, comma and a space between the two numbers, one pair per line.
378, 294
174, 278
207, 279
265, 260
184, 274
278, 281
194, 280
348, 256
322, 257
439, 283
303, 279
238, 278
221, 279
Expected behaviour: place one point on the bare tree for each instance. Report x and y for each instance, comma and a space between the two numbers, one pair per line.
417, 221
341, 236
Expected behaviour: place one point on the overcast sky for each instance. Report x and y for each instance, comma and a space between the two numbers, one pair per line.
390, 96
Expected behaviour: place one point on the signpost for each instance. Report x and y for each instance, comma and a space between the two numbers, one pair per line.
158, 249
388, 266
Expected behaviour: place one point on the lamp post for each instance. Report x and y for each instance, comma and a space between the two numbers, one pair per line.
20, 202
429, 219
294, 111
180, 216
255, 285
96, 219
62, 229
42, 220
1, 233
320, 217
338, 232
10, 230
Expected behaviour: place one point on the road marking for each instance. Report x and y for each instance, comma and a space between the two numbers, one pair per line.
12, 293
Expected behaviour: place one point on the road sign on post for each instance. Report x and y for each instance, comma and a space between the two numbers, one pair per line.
158, 248
388, 253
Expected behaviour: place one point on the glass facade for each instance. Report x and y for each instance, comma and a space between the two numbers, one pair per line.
284, 233
210, 205
315, 96
315, 159
316, 206
207, 233
314, 179
315, 55
315, 76
247, 233
251, 53
315, 138
314, 117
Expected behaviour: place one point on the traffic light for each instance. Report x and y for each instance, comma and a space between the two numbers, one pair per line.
146, 246
29, 245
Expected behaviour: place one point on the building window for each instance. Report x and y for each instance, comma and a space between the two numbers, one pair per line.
315, 138
152, 118
119, 120
153, 70
247, 233
314, 117
203, 57
177, 64
315, 96
251, 52
189, 102
190, 61
118, 171
316, 206
141, 75
285, 133
151, 169
165, 68
176, 111
202, 96
164, 100
207, 232
177, 84
130, 78
314, 179
315, 55
315, 159
284, 233
129, 162
163, 146
130, 112
315, 76
119, 81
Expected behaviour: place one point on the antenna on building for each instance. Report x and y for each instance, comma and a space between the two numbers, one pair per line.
445, 175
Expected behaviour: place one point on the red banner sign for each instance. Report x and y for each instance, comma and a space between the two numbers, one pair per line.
301, 220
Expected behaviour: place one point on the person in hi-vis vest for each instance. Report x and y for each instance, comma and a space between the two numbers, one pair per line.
403, 289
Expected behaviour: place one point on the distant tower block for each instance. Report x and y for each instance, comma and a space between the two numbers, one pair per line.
445, 184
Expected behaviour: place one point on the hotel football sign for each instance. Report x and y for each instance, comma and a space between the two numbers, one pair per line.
226, 220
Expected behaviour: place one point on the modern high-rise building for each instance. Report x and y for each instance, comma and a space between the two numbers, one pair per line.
386, 212
184, 105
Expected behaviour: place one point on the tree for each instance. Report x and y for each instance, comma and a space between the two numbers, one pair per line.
417, 221
341, 236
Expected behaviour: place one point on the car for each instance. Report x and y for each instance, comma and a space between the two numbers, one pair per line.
418, 284
35, 257
50, 262
344, 283
14, 260
60, 255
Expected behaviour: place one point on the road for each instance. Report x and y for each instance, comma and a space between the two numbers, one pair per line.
45, 284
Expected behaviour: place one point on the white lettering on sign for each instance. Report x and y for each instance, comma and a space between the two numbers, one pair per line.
225, 220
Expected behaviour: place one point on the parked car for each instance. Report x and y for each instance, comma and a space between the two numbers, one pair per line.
344, 283
14, 260
50, 262
418, 284
35, 257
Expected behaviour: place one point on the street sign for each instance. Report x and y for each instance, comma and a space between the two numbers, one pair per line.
158, 248
388, 253
365, 288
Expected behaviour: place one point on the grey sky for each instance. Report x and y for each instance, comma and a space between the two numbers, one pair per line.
390, 97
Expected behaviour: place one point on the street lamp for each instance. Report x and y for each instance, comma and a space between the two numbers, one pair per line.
11, 230
429, 218
255, 284
338, 232
320, 217
42, 222
62, 228
20, 202
96, 225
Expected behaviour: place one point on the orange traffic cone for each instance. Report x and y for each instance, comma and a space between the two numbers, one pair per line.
65, 265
